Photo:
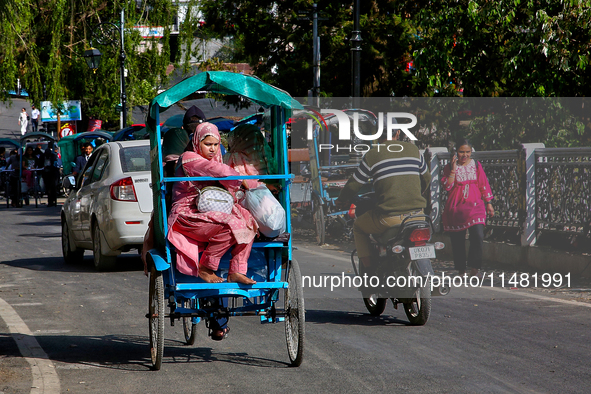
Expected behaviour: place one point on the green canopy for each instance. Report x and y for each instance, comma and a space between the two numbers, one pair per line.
222, 82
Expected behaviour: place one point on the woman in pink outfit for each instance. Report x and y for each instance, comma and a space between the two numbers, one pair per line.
213, 233
468, 203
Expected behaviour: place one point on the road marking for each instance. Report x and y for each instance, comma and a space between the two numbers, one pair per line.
28, 304
45, 379
504, 291
8, 285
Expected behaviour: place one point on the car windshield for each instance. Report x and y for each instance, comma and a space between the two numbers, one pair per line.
135, 158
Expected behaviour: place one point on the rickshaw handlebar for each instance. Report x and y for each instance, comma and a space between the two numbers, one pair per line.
227, 178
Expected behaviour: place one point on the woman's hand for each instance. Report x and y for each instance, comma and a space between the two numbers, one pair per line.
454, 163
245, 184
490, 211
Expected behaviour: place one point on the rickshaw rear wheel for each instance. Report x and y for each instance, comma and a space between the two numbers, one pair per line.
295, 318
71, 255
189, 328
319, 222
156, 313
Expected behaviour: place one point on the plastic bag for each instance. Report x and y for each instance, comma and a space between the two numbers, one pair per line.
266, 210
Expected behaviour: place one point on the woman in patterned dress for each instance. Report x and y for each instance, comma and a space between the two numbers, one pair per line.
213, 233
468, 203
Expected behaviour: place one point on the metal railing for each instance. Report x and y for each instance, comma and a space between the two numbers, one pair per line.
537, 190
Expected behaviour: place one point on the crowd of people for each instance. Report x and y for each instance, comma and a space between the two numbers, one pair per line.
38, 169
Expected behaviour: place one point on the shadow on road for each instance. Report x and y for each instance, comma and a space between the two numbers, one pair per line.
125, 262
353, 318
130, 352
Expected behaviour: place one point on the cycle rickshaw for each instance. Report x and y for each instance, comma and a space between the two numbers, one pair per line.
329, 173
32, 139
278, 295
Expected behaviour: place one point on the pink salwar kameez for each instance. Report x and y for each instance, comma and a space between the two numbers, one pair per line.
467, 193
213, 233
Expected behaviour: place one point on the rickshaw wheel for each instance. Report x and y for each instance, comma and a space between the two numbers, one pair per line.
319, 222
295, 318
189, 328
156, 314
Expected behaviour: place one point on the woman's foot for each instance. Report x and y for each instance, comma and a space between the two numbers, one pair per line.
240, 278
474, 272
209, 275
219, 334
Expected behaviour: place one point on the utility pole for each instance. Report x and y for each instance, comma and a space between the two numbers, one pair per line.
306, 16
356, 57
123, 72
316, 56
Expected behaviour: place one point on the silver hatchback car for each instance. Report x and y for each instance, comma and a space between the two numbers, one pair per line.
108, 206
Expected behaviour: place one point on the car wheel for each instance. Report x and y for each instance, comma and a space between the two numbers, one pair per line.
101, 262
71, 255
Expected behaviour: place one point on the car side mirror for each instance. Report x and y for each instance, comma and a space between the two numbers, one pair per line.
68, 184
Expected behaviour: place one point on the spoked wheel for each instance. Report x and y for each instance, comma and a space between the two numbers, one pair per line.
295, 318
156, 314
189, 328
319, 222
375, 306
418, 309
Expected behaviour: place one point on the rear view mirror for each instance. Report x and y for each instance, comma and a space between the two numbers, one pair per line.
68, 184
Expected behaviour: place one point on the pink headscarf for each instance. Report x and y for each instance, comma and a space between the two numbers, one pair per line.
201, 132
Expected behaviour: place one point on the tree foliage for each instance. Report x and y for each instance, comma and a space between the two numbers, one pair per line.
42, 43
269, 36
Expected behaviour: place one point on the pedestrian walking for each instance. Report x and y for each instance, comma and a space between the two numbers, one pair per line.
468, 203
23, 121
35, 118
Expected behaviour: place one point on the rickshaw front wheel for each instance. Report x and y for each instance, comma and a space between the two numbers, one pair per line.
319, 222
295, 318
189, 328
156, 313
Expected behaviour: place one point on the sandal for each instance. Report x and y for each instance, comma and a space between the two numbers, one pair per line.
218, 335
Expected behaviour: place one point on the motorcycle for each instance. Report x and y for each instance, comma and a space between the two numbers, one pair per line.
401, 267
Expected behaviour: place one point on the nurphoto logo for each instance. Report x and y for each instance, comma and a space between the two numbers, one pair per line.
344, 127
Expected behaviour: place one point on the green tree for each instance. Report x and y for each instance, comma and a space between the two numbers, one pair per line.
42, 42
268, 35
502, 48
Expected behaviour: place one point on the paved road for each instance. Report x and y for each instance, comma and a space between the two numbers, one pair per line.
93, 336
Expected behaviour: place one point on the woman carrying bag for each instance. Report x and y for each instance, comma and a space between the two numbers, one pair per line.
191, 230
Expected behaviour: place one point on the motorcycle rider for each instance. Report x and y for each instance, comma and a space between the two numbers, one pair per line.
400, 176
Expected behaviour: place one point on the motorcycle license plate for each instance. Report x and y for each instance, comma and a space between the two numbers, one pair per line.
422, 252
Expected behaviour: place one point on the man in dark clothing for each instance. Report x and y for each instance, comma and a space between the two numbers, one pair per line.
400, 176
81, 160
51, 174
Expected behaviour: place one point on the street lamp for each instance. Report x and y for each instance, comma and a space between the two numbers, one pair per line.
104, 35
356, 56
93, 58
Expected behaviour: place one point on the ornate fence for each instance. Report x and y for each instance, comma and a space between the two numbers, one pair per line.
539, 192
